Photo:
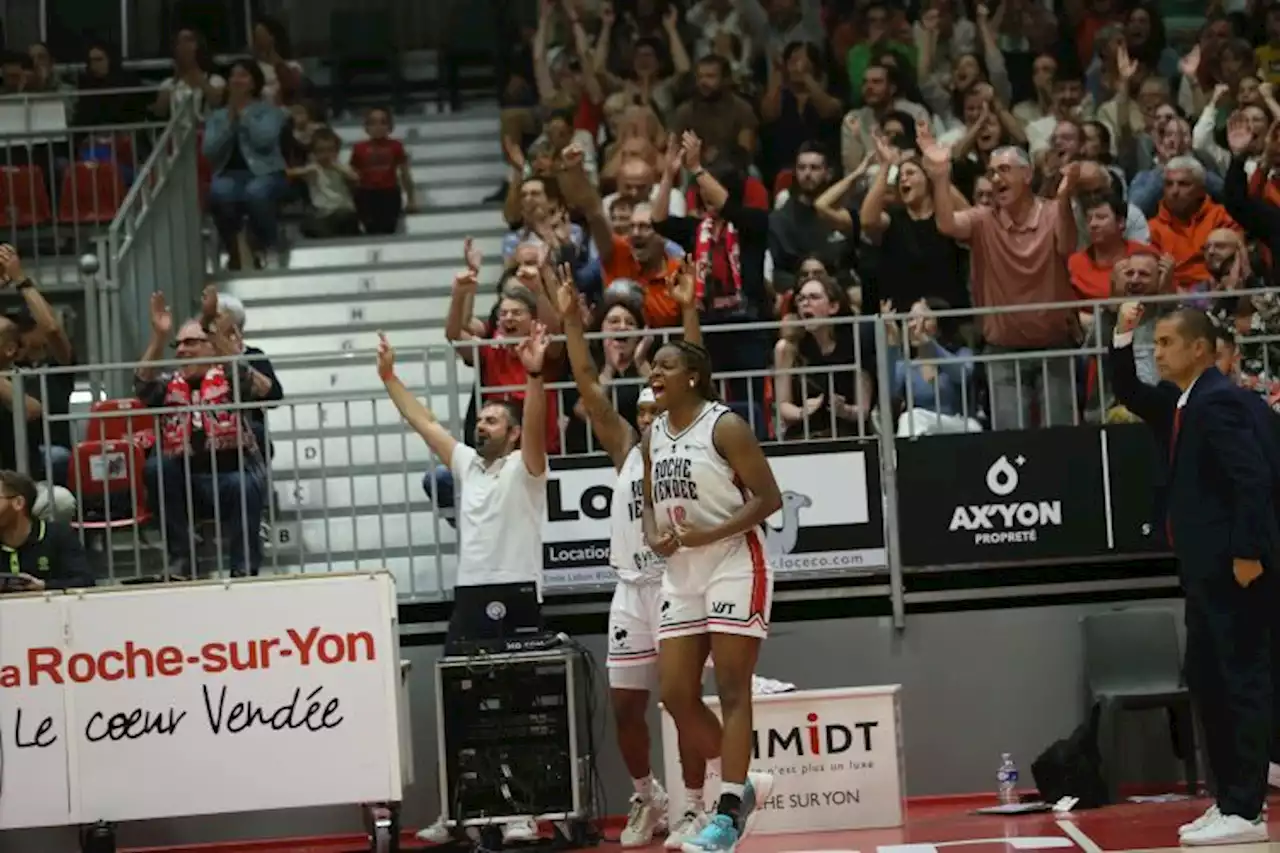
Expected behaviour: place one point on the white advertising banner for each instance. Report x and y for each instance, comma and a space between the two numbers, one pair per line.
207, 698
835, 756
830, 521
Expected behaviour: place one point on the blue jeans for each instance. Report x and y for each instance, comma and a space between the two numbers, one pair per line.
58, 459
444, 496
223, 489
241, 196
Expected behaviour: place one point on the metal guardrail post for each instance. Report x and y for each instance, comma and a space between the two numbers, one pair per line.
21, 457
888, 478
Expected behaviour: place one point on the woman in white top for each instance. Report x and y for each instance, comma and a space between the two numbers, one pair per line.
192, 80
708, 490
635, 611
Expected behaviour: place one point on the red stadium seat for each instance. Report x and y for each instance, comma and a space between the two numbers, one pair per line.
139, 430
91, 193
107, 478
24, 198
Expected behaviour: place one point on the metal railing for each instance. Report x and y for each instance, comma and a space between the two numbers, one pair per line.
153, 242
333, 481
66, 167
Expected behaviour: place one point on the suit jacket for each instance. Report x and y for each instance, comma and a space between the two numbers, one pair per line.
1223, 463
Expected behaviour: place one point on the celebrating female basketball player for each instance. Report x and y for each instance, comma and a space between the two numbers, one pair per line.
637, 598
708, 489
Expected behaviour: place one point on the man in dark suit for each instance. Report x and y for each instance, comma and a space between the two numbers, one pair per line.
1224, 469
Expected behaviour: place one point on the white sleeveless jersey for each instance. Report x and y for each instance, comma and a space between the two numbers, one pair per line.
634, 560
693, 485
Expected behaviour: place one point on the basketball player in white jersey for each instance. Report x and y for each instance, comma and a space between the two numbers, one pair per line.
708, 490
637, 597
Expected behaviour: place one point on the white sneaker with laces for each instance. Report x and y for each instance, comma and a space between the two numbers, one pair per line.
436, 833
1273, 775
647, 816
685, 829
1226, 829
1210, 814
519, 831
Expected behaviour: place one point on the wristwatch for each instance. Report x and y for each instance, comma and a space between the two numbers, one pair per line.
25, 283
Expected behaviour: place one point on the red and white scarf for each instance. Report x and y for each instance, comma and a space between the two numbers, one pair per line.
728, 294
221, 426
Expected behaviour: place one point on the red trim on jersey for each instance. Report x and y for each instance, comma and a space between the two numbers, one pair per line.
759, 574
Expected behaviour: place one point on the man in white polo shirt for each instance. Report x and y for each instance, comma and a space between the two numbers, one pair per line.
501, 487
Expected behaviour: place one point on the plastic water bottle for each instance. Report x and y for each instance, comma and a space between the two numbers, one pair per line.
1007, 780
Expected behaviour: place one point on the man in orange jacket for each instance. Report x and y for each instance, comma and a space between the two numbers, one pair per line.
1186, 218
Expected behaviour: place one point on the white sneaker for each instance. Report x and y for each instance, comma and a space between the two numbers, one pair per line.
1210, 815
761, 686
686, 829
1226, 829
646, 817
1273, 775
436, 833
519, 831
761, 785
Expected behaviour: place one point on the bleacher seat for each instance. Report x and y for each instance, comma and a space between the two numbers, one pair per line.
107, 477
91, 193
139, 431
24, 197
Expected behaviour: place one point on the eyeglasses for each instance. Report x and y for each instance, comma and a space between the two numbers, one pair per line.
190, 342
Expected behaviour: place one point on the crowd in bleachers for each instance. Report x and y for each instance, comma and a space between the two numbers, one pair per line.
817, 159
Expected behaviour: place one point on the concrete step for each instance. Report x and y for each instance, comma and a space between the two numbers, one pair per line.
329, 456
370, 413
283, 344
349, 315
418, 576
480, 222
486, 147
360, 380
376, 250
361, 284
474, 123
395, 492
487, 171
453, 196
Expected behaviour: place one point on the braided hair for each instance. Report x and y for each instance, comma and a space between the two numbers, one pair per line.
698, 360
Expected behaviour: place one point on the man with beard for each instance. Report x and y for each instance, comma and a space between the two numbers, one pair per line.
42, 554
719, 117
1066, 104
880, 100
795, 229
1186, 218
502, 492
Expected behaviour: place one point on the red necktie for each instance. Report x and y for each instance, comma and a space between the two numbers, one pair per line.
1173, 443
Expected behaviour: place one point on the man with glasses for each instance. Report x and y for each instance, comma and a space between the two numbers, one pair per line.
41, 554
207, 457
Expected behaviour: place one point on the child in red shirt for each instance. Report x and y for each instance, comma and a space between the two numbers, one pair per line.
383, 167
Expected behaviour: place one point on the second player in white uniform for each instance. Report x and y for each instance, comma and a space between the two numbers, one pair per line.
637, 597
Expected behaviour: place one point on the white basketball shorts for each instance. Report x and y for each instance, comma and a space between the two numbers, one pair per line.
633, 636
726, 588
